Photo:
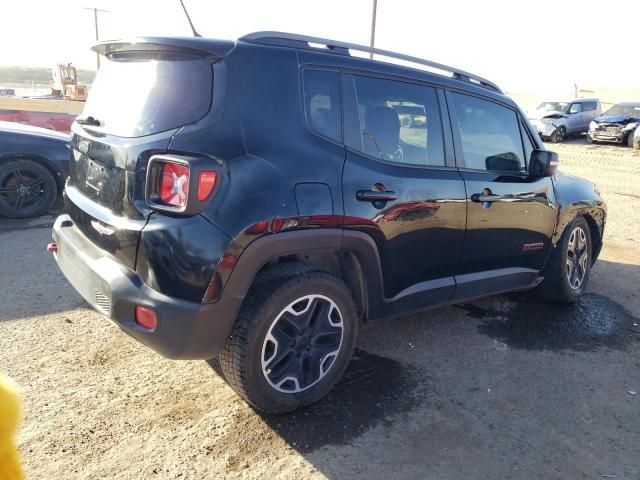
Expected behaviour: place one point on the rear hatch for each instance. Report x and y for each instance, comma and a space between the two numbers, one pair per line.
142, 95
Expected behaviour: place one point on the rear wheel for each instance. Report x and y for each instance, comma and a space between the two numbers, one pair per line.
292, 340
567, 274
27, 189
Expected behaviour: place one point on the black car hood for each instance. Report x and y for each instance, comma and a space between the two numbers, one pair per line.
621, 120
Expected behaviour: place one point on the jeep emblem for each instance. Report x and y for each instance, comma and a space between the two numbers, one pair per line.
101, 229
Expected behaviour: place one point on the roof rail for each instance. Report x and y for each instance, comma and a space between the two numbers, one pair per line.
294, 40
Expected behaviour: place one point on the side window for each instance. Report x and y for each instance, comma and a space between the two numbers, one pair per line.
575, 108
490, 134
398, 122
589, 106
322, 102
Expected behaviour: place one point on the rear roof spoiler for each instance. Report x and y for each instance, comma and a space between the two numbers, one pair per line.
210, 48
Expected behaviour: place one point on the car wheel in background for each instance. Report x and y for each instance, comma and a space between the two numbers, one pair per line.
559, 135
567, 273
630, 139
292, 340
27, 189
406, 121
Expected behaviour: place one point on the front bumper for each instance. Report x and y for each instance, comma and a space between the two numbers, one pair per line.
603, 137
545, 129
185, 330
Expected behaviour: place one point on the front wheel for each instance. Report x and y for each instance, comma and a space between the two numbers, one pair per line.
567, 274
559, 135
630, 139
292, 341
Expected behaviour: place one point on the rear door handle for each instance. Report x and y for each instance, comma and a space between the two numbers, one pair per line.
376, 196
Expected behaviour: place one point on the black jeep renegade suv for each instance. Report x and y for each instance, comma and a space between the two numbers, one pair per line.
257, 200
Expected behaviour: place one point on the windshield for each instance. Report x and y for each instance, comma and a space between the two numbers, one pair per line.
133, 96
553, 107
623, 111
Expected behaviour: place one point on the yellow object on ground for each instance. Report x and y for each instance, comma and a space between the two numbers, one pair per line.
10, 468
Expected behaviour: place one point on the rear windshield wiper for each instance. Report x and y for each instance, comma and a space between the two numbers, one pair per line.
94, 122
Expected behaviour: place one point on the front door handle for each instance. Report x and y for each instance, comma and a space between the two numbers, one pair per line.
483, 198
376, 196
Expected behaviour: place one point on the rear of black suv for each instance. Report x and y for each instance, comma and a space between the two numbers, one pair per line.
258, 199
135, 242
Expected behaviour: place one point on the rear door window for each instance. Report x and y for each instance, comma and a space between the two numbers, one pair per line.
489, 134
398, 122
134, 95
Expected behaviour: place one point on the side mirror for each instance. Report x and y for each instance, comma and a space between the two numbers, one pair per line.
543, 163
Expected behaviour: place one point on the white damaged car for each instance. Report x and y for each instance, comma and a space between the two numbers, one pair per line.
555, 120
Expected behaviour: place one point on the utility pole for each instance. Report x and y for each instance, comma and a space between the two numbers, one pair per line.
373, 26
95, 22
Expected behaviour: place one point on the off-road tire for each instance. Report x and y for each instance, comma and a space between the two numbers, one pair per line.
556, 286
271, 293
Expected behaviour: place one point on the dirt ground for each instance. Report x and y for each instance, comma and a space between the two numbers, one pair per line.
507, 387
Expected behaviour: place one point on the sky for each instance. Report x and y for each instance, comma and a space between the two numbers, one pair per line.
522, 45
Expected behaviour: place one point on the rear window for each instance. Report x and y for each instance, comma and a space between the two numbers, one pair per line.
133, 96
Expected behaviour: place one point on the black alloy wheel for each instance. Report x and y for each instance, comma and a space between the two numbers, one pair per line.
302, 343
27, 189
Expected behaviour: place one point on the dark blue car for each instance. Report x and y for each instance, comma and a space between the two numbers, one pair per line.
33, 167
616, 125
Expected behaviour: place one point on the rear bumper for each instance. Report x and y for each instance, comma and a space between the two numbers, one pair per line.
185, 330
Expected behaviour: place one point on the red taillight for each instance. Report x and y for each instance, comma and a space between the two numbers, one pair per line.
174, 189
181, 185
146, 317
206, 184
